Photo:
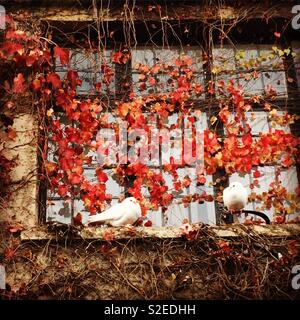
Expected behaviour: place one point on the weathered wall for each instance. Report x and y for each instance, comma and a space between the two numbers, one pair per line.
57, 263
208, 267
22, 205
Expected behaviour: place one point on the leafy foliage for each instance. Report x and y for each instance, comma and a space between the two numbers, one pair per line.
34, 73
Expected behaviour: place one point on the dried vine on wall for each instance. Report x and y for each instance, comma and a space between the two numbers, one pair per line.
31, 59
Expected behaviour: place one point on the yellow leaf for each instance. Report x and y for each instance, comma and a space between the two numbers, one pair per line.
273, 112
50, 112
240, 54
213, 120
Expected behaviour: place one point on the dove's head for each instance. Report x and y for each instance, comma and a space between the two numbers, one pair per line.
235, 184
131, 200
134, 204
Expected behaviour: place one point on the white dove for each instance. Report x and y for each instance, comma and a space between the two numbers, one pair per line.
235, 197
126, 212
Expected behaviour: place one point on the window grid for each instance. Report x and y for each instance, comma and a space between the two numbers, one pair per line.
245, 74
179, 196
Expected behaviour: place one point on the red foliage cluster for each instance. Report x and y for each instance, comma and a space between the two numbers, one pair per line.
238, 152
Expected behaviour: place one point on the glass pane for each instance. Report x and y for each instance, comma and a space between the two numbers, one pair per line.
89, 67
156, 218
80, 208
296, 49
247, 58
59, 211
276, 124
252, 86
267, 176
258, 122
269, 59
143, 56
290, 182
275, 81
223, 59
176, 213
166, 56
196, 55
204, 212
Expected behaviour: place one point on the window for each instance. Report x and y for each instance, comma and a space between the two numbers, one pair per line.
257, 69
261, 122
160, 78
296, 49
90, 66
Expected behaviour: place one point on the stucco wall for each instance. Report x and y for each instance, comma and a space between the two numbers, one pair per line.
22, 205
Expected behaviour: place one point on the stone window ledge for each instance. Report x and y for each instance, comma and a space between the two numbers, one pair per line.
60, 232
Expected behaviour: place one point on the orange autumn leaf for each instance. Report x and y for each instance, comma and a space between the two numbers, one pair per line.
54, 79
62, 54
9, 254
19, 83
11, 133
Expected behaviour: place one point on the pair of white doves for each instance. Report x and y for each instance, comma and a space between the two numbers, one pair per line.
235, 198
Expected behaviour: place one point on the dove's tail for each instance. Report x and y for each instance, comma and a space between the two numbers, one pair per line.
104, 216
259, 214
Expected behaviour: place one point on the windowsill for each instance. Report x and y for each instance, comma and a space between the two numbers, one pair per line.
110, 233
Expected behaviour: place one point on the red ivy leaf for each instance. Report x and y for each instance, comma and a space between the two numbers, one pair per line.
54, 79
287, 161
75, 178
277, 34
35, 85
201, 179
148, 223
11, 133
247, 139
279, 219
62, 190
209, 198
108, 235
15, 228
186, 182
256, 174
121, 57
98, 86
9, 253
15, 34
19, 83
78, 219
62, 54
102, 176
117, 57
72, 76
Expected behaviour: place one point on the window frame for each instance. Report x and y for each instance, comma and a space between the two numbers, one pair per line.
207, 67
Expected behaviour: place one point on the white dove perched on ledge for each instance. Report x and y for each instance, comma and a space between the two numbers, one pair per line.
235, 197
126, 212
